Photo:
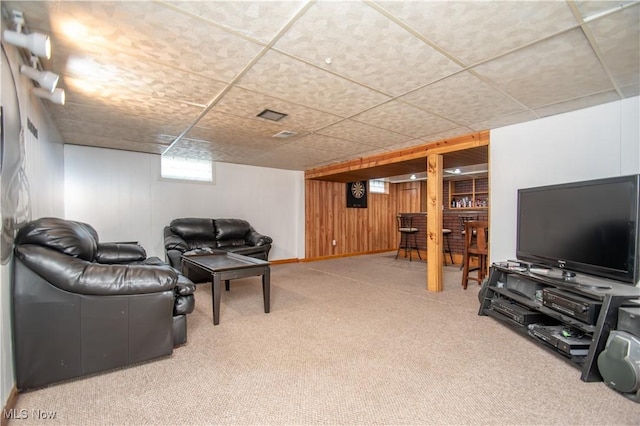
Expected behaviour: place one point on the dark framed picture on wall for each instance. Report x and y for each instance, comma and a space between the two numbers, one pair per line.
357, 194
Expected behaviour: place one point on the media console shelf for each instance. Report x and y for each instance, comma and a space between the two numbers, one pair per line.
570, 317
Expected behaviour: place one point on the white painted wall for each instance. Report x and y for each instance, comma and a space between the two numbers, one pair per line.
31, 181
121, 195
597, 142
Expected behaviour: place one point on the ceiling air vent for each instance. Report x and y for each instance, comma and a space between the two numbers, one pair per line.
271, 115
285, 134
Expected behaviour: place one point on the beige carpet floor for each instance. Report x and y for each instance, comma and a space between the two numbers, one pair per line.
349, 341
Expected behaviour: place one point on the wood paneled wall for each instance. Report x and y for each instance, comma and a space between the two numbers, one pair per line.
373, 229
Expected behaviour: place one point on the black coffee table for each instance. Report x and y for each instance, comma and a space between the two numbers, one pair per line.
225, 266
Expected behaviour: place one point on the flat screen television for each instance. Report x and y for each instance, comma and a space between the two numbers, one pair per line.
586, 227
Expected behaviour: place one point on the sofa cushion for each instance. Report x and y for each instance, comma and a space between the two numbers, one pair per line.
193, 228
65, 236
231, 229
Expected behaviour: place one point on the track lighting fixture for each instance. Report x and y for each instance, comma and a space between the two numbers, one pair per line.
38, 44
46, 79
56, 96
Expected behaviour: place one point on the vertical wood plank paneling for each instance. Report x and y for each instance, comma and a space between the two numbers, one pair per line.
355, 230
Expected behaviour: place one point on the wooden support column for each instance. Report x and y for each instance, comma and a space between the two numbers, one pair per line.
434, 222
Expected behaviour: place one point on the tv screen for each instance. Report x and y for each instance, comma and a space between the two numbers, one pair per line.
589, 227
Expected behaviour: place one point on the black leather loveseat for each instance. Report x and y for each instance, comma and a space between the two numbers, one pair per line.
81, 306
194, 236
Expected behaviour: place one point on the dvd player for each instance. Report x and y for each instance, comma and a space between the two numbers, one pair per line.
561, 338
571, 304
516, 312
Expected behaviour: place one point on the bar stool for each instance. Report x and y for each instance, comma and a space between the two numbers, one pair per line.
475, 245
446, 246
464, 219
408, 236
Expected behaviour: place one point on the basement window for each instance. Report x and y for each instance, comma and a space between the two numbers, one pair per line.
190, 169
378, 186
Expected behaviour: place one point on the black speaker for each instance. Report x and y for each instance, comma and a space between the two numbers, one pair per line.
619, 364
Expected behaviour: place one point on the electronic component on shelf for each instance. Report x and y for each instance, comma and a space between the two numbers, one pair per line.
566, 339
571, 304
516, 312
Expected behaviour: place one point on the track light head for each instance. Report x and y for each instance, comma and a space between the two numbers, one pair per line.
46, 79
56, 96
38, 44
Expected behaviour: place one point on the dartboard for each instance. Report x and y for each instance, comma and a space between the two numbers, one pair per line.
357, 189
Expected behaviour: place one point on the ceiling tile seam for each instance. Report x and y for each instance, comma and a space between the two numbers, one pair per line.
384, 12
246, 69
599, 92
126, 147
594, 46
72, 133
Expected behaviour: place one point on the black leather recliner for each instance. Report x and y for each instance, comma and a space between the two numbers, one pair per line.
197, 236
81, 306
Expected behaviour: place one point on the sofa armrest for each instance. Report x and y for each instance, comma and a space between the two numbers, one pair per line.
254, 238
81, 277
173, 241
108, 253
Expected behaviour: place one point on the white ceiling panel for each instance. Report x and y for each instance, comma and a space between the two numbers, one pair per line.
462, 98
364, 46
474, 31
359, 132
289, 79
619, 41
244, 103
259, 20
560, 68
355, 78
405, 119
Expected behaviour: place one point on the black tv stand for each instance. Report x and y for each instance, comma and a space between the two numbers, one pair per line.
537, 305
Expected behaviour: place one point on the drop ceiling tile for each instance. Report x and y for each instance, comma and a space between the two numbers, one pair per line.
364, 46
404, 118
474, 31
231, 136
153, 32
337, 147
248, 104
618, 37
125, 104
630, 91
286, 78
245, 17
138, 131
177, 118
292, 156
96, 72
504, 120
216, 151
591, 8
363, 133
107, 142
462, 98
447, 134
249, 131
574, 104
555, 70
